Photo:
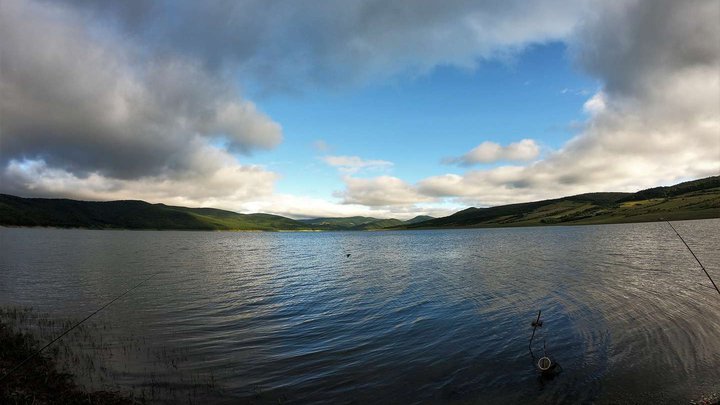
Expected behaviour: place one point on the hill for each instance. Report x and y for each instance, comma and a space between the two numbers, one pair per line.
418, 219
338, 223
361, 223
63, 213
696, 199
131, 214
378, 224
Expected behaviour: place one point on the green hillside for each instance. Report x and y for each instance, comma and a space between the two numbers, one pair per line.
696, 199
16, 211
338, 223
360, 223
64, 213
418, 219
378, 224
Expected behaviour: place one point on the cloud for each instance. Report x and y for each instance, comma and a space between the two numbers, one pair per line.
116, 99
354, 164
576, 92
491, 152
135, 100
595, 104
342, 43
655, 121
86, 112
380, 191
298, 206
223, 184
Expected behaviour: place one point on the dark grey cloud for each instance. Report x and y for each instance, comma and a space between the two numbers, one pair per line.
634, 44
89, 101
288, 45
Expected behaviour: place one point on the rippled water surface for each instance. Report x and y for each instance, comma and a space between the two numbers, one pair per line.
409, 317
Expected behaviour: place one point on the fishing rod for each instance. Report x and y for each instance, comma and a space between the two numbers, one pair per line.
695, 256
32, 356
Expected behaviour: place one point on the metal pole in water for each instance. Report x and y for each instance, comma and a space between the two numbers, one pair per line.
534, 325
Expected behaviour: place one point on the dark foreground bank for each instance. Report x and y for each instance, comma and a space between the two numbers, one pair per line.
40, 382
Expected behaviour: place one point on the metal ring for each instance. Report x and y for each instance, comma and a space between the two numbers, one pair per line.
544, 363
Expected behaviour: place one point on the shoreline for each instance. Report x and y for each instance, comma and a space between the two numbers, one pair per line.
483, 226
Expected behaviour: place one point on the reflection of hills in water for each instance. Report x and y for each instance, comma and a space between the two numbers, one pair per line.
438, 316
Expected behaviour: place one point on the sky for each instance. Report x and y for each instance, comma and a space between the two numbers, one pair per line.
376, 107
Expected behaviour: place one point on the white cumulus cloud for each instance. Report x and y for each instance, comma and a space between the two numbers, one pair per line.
380, 191
491, 152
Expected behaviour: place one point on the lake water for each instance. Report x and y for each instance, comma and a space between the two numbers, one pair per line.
410, 317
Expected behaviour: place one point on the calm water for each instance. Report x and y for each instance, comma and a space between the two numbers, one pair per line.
410, 317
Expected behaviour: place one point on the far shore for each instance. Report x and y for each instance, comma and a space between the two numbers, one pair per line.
481, 226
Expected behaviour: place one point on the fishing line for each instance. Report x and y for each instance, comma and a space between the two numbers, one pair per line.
22, 363
696, 258
535, 325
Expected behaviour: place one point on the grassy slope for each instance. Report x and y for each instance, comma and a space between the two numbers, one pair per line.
697, 199
338, 223
16, 211
418, 219
378, 224
361, 223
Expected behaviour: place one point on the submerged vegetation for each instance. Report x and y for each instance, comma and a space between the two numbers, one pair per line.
698, 199
41, 381
77, 368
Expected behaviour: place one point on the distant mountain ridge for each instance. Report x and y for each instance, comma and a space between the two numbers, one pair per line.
338, 223
133, 214
419, 218
361, 223
697, 199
